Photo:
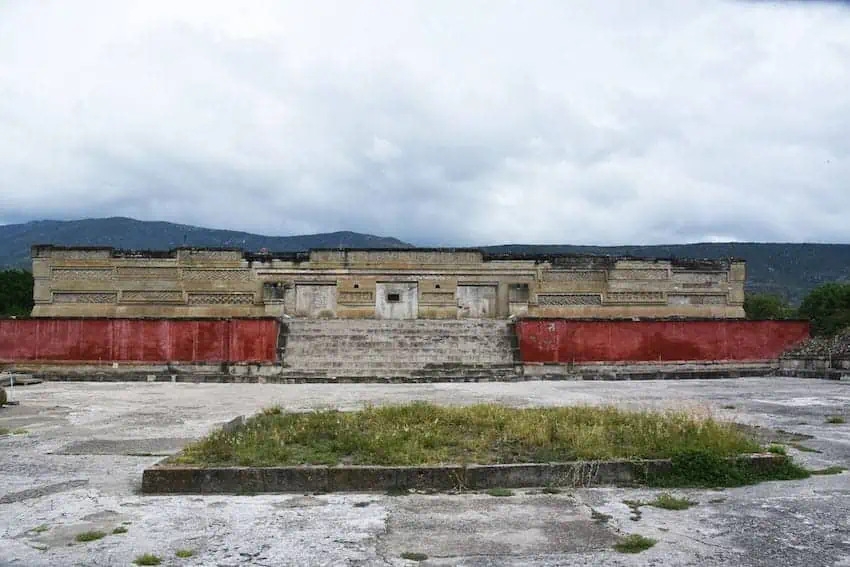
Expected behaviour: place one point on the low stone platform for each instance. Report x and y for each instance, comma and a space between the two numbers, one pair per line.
815, 367
434, 373
166, 479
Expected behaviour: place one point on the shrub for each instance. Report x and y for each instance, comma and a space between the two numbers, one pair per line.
147, 559
3, 398
828, 308
16, 288
762, 306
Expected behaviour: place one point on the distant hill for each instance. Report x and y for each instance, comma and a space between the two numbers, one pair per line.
119, 232
790, 270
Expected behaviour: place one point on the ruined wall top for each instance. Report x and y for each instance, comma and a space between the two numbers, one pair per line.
348, 256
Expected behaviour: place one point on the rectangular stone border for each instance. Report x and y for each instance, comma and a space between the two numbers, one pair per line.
167, 479
815, 367
277, 374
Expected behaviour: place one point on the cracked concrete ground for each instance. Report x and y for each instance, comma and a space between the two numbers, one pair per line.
78, 467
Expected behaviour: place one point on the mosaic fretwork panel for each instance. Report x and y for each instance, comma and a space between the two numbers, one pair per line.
634, 297
211, 275
82, 274
639, 275
145, 296
83, 297
221, 299
569, 299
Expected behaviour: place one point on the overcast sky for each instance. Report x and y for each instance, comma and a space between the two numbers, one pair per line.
458, 122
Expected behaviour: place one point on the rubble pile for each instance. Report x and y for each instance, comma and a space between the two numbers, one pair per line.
835, 346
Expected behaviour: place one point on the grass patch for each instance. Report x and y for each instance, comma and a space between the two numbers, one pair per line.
90, 536
550, 490
500, 492
7, 431
703, 469
184, 553
835, 419
40, 529
803, 448
422, 433
119, 530
361, 504
414, 556
634, 543
828, 470
669, 502
147, 559
776, 450
395, 491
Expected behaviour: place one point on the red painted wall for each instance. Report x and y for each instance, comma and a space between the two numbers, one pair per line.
567, 341
139, 340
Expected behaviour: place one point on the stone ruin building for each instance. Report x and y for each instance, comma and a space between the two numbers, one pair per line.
421, 283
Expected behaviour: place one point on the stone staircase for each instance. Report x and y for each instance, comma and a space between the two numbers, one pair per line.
418, 350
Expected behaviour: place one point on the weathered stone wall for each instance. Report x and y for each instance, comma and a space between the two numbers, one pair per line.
387, 284
101, 282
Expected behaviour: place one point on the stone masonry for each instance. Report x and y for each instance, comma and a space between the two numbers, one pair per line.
378, 284
346, 348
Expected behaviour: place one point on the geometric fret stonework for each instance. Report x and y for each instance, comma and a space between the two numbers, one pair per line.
682, 299
352, 283
221, 298
639, 275
226, 275
152, 296
569, 299
634, 297
84, 297
66, 274
154, 273
573, 275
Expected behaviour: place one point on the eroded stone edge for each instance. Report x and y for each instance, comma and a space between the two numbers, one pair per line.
168, 479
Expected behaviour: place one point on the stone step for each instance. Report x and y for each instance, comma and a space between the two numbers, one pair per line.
331, 327
364, 347
401, 364
373, 350
481, 372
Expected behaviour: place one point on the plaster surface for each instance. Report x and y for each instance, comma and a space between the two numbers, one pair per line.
79, 467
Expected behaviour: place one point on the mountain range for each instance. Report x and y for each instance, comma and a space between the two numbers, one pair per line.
790, 270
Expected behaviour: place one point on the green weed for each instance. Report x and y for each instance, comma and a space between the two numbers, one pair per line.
635, 543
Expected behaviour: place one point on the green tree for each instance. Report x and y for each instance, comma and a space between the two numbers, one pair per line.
767, 306
828, 308
15, 293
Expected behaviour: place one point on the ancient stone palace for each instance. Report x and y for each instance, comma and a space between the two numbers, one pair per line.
435, 283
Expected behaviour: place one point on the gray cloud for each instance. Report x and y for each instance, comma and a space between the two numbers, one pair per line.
438, 123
